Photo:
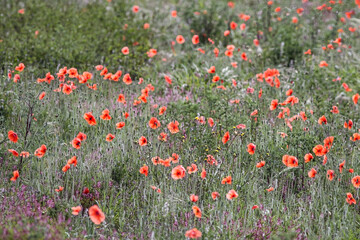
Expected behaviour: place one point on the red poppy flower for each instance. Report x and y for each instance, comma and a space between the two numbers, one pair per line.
66, 167
73, 73
162, 110
328, 142
226, 180
24, 154
318, 150
146, 25
16, 78
143, 141
40, 152
215, 78
303, 116
355, 98
226, 138
355, 137
13, 136
273, 104
195, 39
125, 50
244, 57
73, 161
290, 161
260, 164
20, 67
330, 174
96, 215
173, 127
16, 175
105, 115
120, 125
193, 233
192, 169
103, 72
194, 198
349, 124
178, 172
81, 136
180, 39
121, 98
356, 181
308, 52
168, 79
127, 79
341, 166
254, 113
151, 53
196, 211
203, 173
166, 162
233, 25
135, 8
308, 157
231, 194
87, 76
76, 143
163, 137
42, 95
86, 190
350, 199
346, 87
215, 195
251, 148
211, 122
76, 210
323, 64
90, 118
110, 137
312, 173
144, 170
216, 52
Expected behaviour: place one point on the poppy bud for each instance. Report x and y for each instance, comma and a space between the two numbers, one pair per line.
86, 190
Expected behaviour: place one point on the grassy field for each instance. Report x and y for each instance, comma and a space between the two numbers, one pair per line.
179, 119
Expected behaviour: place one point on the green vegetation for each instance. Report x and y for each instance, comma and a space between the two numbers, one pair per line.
81, 35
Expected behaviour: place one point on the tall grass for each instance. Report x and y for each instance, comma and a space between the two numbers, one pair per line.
83, 35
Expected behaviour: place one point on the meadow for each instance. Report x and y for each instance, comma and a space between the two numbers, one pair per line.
179, 119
